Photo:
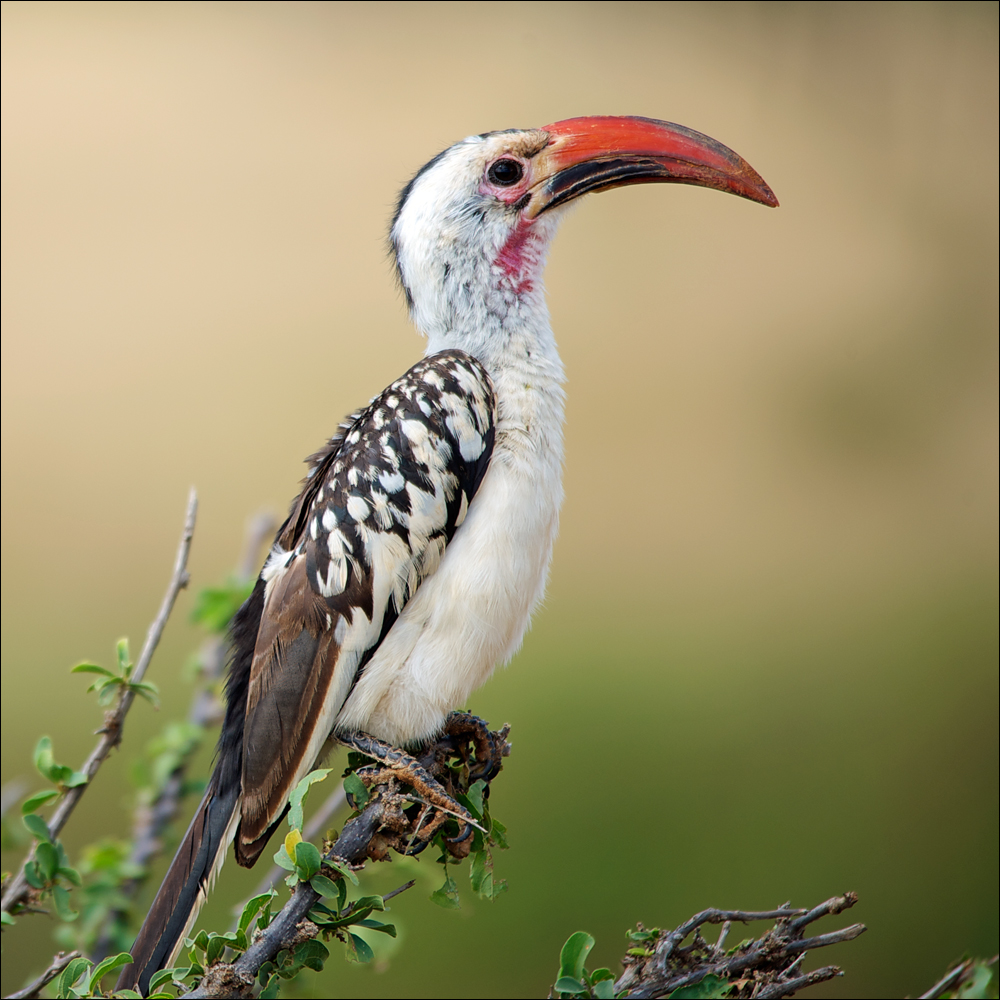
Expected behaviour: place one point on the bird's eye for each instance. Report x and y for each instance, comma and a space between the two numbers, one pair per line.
505, 172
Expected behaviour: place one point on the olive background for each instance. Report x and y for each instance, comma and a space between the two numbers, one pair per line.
766, 667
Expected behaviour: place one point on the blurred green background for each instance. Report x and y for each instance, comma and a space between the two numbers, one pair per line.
780, 680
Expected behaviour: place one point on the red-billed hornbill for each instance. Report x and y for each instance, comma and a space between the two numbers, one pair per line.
419, 546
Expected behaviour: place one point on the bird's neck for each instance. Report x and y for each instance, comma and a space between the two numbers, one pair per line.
493, 307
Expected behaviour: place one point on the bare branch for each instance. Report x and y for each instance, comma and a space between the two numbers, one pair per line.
152, 819
767, 967
17, 889
58, 964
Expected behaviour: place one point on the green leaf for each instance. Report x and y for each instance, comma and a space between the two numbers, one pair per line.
124, 663
109, 965
481, 876
710, 988
498, 834
377, 925
574, 955
978, 987
282, 859
70, 975
369, 903
38, 799
147, 690
214, 607
253, 907
271, 990
70, 874
216, 946
307, 860
326, 887
605, 989
61, 897
44, 761
567, 984
357, 789
164, 976
48, 860
344, 870
599, 975
33, 876
138, 996
475, 797
92, 668
299, 792
312, 954
447, 895
358, 949
6, 919
74, 779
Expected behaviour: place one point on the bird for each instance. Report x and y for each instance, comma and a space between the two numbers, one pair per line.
419, 546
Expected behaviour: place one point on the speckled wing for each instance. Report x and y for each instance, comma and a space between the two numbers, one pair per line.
379, 506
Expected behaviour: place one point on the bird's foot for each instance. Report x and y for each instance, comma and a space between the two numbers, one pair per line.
403, 769
428, 793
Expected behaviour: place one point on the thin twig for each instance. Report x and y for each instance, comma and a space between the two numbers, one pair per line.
786, 989
152, 819
111, 731
955, 977
714, 916
58, 964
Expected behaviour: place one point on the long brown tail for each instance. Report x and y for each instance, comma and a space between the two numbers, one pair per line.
185, 887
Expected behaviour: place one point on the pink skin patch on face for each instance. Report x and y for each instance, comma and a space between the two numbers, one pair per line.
518, 256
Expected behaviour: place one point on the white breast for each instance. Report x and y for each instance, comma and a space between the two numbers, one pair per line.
473, 612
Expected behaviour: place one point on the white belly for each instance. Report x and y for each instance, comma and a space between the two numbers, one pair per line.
473, 612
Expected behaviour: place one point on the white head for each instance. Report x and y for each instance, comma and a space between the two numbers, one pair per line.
473, 227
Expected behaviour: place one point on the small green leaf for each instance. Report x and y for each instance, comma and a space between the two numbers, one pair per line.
605, 989
567, 984
475, 797
271, 990
48, 860
447, 895
282, 859
109, 965
307, 860
38, 800
344, 870
978, 987
74, 779
44, 761
163, 976
216, 946
357, 789
70, 874
325, 887
6, 919
215, 606
358, 949
574, 954
124, 663
32, 875
377, 925
498, 834
253, 907
91, 668
70, 975
299, 792
369, 903
312, 954
710, 988
60, 897
147, 690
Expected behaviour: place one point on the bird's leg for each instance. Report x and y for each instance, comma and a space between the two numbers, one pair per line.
409, 770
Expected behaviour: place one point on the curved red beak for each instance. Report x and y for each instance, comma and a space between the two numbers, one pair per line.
603, 151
